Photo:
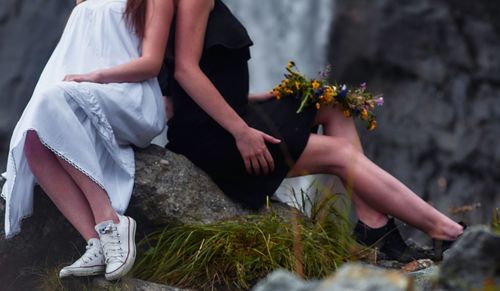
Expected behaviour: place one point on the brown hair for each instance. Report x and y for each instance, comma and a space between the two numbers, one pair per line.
135, 15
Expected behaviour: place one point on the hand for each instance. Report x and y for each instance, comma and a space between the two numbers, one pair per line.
79, 1
90, 77
252, 146
257, 97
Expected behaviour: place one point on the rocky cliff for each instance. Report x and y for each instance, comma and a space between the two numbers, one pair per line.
438, 65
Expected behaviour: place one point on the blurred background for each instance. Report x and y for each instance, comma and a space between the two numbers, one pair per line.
437, 63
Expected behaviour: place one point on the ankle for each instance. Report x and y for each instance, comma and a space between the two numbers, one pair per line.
374, 221
113, 216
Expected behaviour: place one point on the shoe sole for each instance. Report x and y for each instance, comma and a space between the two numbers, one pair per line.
83, 272
129, 263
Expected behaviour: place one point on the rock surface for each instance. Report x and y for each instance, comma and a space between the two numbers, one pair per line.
282, 280
438, 65
131, 285
351, 276
473, 262
168, 190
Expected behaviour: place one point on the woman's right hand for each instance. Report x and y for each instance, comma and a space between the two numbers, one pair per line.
252, 146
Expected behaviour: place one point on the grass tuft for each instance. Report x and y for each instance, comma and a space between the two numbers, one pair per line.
234, 254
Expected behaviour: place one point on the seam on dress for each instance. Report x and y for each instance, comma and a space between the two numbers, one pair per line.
99, 119
70, 162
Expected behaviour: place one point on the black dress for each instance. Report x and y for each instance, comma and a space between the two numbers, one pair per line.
194, 134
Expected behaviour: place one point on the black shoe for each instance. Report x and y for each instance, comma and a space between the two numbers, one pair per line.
389, 241
440, 246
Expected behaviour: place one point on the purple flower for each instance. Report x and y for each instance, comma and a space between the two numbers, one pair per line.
363, 86
380, 101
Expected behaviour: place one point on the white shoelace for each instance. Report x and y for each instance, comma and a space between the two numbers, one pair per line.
90, 254
111, 244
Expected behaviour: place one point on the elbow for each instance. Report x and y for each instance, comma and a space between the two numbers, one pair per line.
183, 73
151, 67
180, 74
154, 70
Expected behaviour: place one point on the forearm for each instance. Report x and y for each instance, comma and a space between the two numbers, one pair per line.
137, 70
200, 88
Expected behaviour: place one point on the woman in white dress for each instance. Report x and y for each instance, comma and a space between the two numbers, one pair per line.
97, 95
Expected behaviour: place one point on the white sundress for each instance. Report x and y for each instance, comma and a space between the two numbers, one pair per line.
89, 125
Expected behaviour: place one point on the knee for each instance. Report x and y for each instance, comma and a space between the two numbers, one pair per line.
343, 155
32, 144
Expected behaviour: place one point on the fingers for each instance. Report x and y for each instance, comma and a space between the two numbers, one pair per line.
255, 165
248, 165
269, 160
73, 78
271, 139
262, 163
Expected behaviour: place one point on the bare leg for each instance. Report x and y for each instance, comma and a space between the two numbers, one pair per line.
96, 196
335, 124
380, 190
59, 186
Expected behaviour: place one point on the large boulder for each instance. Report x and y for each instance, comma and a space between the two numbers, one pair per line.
168, 190
473, 263
438, 65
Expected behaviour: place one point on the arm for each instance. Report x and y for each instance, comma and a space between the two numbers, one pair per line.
192, 18
159, 16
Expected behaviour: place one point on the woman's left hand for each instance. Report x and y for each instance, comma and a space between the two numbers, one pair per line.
90, 77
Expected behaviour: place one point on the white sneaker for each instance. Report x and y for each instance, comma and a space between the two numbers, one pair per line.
118, 244
90, 264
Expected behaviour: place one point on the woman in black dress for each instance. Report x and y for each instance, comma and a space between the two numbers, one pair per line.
249, 148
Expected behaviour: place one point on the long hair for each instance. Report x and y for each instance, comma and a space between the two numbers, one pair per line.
135, 15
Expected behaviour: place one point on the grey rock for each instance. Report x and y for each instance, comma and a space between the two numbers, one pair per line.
437, 64
282, 280
472, 261
170, 189
130, 284
362, 277
426, 279
351, 276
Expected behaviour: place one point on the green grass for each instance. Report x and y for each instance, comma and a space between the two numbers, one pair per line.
495, 223
234, 254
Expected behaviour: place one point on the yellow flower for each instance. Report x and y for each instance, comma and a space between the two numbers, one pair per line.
373, 125
290, 64
371, 104
297, 85
329, 94
318, 106
347, 113
364, 114
315, 84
